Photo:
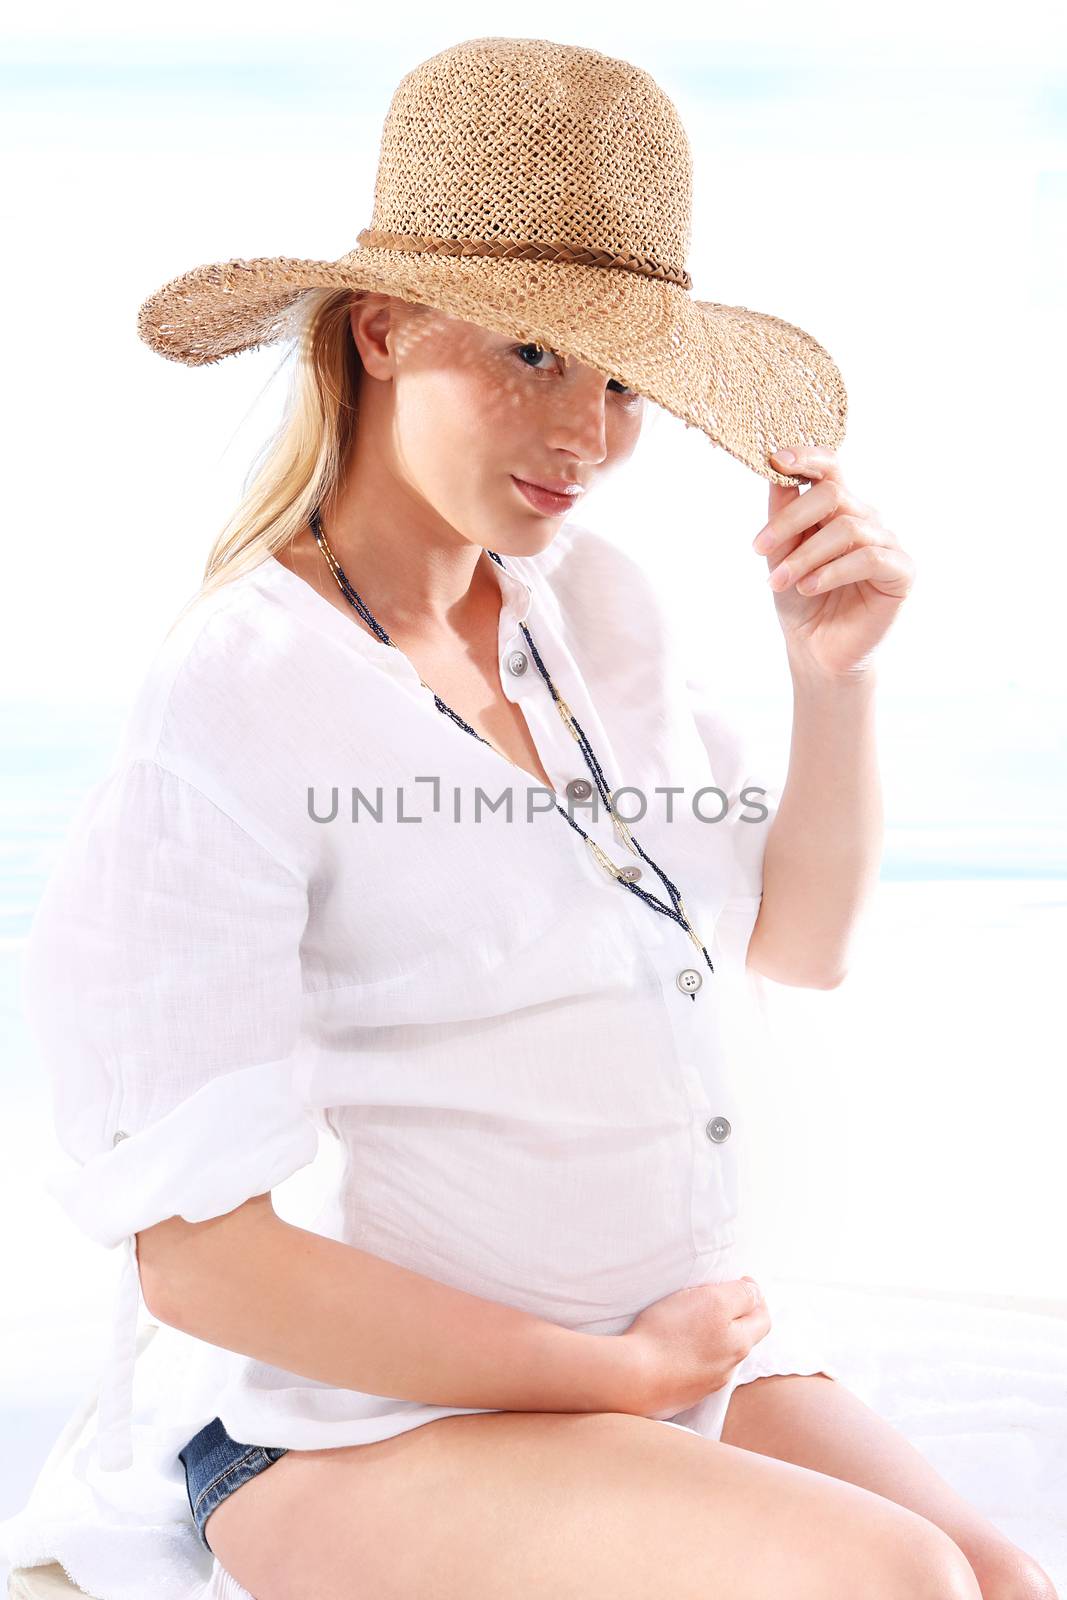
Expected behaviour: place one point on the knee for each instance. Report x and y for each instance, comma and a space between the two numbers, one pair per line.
1008, 1573
936, 1567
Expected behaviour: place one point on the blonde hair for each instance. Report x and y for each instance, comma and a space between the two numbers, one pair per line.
300, 464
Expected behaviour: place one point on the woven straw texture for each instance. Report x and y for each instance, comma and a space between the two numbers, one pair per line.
542, 191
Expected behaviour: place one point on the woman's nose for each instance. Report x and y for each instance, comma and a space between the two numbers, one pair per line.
581, 421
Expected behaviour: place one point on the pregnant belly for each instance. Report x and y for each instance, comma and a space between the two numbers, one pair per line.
583, 1228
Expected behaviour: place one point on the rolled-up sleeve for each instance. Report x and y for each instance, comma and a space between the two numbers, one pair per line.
161, 981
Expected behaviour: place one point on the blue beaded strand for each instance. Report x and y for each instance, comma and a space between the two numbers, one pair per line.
673, 911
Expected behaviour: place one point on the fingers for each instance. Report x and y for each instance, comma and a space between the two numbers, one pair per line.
825, 501
886, 569
807, 461
749, 1295
837, 538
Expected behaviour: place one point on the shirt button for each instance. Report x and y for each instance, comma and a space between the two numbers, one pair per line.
631, 874
518, 662
718, 1129
579, 789
689, 980
119, 1135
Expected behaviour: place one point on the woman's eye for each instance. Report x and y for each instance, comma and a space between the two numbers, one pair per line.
536, 351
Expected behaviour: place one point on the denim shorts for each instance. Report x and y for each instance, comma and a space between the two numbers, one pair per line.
215, 1465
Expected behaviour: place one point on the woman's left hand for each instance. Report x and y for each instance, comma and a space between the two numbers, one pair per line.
851, 571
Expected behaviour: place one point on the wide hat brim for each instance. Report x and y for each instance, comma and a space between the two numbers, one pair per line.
748, 380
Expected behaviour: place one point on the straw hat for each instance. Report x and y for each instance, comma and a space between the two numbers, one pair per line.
543, 191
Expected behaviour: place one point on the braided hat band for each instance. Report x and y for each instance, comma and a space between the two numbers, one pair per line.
542, 191
522, 250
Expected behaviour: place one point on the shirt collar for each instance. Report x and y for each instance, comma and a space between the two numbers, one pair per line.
517, 593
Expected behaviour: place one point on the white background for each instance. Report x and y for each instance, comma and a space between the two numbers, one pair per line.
891, 179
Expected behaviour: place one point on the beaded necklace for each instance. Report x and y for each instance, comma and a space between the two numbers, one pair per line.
676, 910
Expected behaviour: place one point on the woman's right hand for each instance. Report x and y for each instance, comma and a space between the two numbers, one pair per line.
688, 1343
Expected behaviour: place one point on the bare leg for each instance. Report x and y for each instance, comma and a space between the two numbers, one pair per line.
524, 1504
825, 1427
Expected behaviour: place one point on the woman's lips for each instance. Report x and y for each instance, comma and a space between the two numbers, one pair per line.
543, 500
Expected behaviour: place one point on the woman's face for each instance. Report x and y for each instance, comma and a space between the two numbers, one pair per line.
460, 412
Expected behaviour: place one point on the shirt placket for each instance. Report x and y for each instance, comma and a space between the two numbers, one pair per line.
687, 985
558, 749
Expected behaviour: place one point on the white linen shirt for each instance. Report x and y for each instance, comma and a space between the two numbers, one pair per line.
528, 1069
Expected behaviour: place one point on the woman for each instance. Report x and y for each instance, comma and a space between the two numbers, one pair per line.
288, 912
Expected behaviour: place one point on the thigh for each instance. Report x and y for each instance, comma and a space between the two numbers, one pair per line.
525, 1504
827, 1428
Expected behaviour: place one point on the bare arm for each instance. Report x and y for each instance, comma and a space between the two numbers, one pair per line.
824, 848
250, 1282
